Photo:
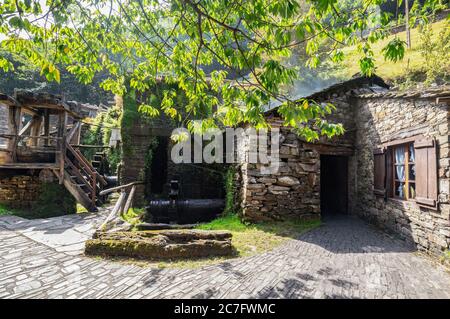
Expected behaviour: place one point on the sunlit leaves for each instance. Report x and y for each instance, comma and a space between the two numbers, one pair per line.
6, 65
148, 110
394, 50
227, 59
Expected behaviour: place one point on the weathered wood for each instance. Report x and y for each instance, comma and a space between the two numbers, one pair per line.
117, 188
62, 144
29, 165
115, 212
35, 130
46, 126
90, 146
73, 132
14, 125
26, 128
129, 199
78, 193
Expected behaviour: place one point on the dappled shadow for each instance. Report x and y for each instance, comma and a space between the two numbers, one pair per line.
309, 285
82, 223
342, 234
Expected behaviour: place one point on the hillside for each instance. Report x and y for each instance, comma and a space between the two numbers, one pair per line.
412, 63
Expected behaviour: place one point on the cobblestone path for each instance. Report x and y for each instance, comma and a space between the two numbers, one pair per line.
344, 258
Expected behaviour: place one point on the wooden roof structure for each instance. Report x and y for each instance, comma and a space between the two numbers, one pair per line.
43, 130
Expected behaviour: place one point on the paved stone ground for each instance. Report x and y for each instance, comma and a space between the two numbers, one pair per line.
345, 258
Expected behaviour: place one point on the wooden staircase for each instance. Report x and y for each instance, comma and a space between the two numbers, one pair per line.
81, 179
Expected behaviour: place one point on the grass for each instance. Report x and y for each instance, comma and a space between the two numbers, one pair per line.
445, 258
390, 71
248, 240
133, 216
257, 238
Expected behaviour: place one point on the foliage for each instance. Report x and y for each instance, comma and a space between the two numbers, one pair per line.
230, 191
133, 216
99, 133
53, 200
435, 53
405, 70
137, 42
26, 76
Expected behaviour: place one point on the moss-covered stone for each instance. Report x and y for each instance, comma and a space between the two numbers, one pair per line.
161, 244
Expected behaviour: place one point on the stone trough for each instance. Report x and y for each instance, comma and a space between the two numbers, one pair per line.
161, 244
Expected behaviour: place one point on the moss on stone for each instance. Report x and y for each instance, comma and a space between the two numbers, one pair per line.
166, 244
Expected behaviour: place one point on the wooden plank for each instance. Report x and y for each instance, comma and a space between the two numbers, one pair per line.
129, 202
46, 126
117, 188
78, 193
29, 165
114, 212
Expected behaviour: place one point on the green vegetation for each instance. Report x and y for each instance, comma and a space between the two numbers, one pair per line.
445, 258
133, 216
248, 239
200, 46
53, 200
429, 50
230, 191
99, 133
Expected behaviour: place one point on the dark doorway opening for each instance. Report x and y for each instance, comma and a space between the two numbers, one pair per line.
159, 165
333, 184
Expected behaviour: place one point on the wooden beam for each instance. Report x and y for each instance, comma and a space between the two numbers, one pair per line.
26, 127
114, 212
14, 125
117, 188
46, 126
29, 165
62, 144
35, 130
129, 202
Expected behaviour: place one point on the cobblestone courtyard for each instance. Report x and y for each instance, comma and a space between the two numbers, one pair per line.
345, 258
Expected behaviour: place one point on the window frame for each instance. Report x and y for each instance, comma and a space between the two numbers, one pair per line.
407, 163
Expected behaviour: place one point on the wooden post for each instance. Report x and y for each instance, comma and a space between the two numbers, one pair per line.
46, 126
14, 125
35, 130
62, 144
115, 211
129, 199
408, 31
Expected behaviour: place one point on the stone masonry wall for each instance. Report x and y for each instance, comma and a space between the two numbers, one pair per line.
381, 120
293, 191
19, 190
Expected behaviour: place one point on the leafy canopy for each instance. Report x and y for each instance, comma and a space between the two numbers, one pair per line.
226, 56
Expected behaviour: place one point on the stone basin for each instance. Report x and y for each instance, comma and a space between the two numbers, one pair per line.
161, 244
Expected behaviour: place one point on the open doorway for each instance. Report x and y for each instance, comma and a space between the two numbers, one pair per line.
333, 184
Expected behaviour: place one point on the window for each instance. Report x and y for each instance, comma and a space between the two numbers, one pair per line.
407, 171
404, 169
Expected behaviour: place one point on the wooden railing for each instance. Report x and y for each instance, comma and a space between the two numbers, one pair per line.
85, 172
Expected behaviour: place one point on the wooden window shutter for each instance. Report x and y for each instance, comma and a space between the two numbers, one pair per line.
379, 172
426, 173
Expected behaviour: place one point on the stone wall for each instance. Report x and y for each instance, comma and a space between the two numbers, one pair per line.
138, 140
380, 120
19, 191
293, 191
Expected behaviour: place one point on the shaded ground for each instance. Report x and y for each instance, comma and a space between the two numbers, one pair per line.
345, 258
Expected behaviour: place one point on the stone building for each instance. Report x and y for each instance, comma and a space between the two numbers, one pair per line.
146, 150
391, 167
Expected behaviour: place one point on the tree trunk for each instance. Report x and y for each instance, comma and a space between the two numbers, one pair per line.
408, 32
